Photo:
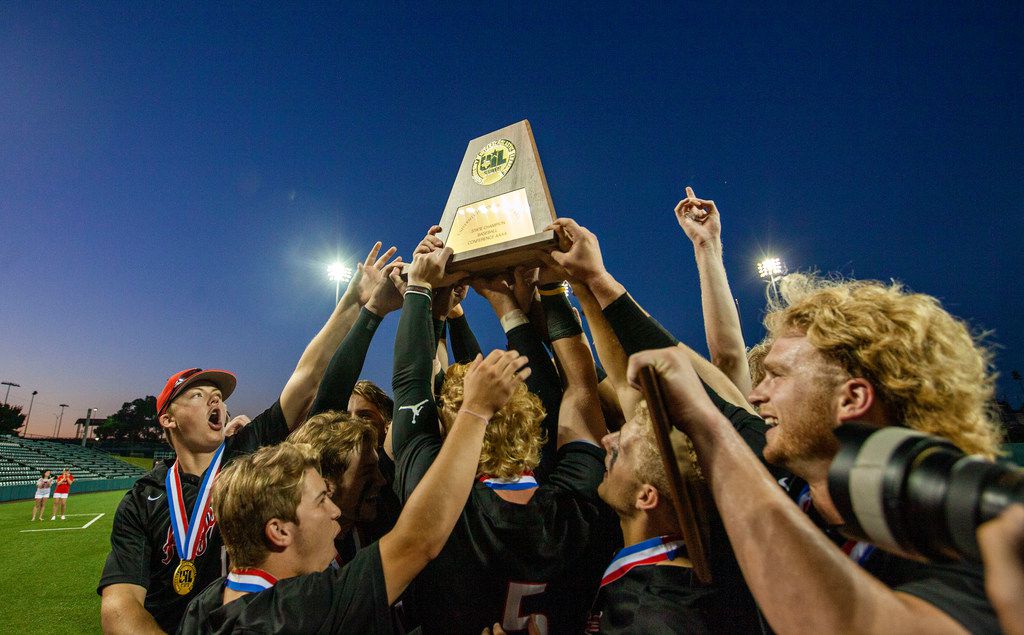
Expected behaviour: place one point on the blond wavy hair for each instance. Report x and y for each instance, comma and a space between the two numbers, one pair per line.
929, 371
513, 439
333, 435
255, 488
648, 467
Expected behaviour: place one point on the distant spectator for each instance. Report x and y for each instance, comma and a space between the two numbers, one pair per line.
43, 486
60, 493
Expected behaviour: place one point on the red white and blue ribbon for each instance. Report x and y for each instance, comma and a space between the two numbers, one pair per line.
525, 481
650, 551
187, 530
249, 580
858, 551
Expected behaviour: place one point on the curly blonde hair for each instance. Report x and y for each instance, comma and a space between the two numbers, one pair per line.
930, 372
648, 467
513, 439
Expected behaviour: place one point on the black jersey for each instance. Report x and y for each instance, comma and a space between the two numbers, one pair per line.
142, 550
667, 599
955, 588
505, 561
352, 599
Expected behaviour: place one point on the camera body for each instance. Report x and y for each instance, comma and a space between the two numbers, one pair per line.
916, 494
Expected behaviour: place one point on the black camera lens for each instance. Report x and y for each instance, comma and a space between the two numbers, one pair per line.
916, 494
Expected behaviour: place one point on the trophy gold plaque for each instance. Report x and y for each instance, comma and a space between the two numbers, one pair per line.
499, 204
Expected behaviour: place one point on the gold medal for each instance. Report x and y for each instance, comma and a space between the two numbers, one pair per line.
184, 577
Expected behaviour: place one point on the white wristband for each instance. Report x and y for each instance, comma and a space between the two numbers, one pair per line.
512, 319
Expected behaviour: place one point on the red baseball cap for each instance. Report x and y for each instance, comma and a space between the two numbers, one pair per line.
178, 382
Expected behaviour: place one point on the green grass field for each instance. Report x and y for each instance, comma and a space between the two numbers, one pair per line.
140, 461
49, 577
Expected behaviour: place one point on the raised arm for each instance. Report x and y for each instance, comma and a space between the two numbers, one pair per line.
300, 389
345, 366
609, 351
523, 337
433, 508
801, 581
702, 224
635, 329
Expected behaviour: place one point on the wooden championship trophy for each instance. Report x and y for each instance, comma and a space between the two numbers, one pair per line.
499, 204
690, 496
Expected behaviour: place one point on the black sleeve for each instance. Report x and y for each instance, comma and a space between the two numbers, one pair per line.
957, 589
130, 551
343, 370
465, 348
440, 329
352, 599
543, 382
579, 469
268, 428
636, 330
415, 411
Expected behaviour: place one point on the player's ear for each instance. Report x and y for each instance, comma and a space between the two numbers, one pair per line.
647, 497
167, 421
279, 533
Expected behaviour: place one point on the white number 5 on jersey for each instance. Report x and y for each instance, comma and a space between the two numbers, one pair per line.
512, 620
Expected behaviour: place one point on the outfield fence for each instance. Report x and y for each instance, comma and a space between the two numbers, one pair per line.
22, 492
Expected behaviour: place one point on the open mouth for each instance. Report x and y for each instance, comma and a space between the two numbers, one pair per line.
215, 420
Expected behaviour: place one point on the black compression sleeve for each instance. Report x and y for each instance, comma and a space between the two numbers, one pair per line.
343, 370
543, 382
561, 320
636, 330
412, 380
439, 331
464, 345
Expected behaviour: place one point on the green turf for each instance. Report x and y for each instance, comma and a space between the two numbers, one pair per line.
49, 577
139, 461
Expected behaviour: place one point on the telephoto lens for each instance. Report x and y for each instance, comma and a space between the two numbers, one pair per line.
915, 494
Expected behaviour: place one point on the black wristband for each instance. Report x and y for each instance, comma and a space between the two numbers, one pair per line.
636, 330
561, 320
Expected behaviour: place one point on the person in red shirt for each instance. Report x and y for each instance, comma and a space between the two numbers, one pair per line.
60, 493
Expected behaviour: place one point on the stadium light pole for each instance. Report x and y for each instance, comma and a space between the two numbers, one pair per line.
338, 273
28, 417
772, 270
61, 420
88, 420
8, 384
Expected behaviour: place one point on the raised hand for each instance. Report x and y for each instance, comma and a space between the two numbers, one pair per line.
699, 219
428, 269
386, 295
524, 284
430, 242
235, 425
685, 397
582, 260
490, 381
458, 294
369, 273
497, 290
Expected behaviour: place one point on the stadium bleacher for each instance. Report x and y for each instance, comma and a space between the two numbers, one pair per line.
22, 461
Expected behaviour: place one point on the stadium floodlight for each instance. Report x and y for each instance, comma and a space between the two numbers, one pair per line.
60, 420
339, 273
9, 384
771, 270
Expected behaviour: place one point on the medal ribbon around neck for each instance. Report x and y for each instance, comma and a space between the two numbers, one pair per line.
187, 530
649, 551
524, 481
249, 580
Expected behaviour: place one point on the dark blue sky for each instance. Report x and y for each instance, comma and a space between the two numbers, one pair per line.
173, 180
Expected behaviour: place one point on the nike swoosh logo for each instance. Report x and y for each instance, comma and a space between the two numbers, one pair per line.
150, 498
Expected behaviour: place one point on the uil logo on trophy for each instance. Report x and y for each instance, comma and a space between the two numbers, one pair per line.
499, 204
